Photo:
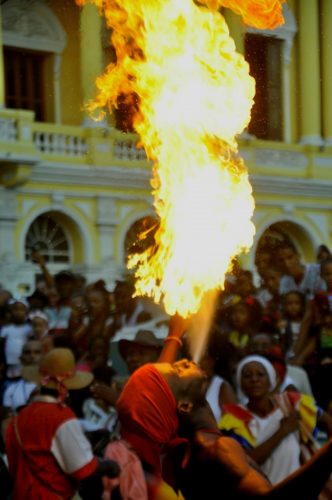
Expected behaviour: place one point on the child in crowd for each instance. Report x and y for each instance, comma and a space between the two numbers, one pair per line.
323, 253
244, 285
40, 330
98, 320
98, 414
17, 391
58, 314
293, 309
269, 296
15, 335
244, 317
96, 355
39, 324
79, 309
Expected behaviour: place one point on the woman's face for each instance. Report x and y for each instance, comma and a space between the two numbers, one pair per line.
255, 382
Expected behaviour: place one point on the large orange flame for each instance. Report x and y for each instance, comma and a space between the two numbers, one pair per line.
193, 94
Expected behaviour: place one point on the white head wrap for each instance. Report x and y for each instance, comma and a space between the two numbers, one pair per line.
271, 373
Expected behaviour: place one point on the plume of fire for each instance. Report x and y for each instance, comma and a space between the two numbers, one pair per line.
176, 60
260, 14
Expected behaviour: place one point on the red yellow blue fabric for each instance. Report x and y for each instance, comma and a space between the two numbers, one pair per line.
236, 419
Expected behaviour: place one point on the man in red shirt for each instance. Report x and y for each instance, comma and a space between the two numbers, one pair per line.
47, 450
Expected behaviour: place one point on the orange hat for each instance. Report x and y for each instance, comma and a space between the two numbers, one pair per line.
57, 370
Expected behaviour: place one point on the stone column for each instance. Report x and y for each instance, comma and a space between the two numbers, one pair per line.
106, 222
326, 16
9, 276
236, 29
2, 70
91, 54
309, 73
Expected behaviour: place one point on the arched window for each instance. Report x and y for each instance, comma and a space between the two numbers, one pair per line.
140, 235
289, 232
47, 237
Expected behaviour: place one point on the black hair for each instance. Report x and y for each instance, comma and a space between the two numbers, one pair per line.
299, 294
323, 248
324, 263
283, 245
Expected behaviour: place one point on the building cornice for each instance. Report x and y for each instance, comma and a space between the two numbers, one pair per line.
85, 175
290, 186
139, 178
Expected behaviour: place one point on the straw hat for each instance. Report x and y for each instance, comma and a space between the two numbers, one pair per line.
145, 338
57, 367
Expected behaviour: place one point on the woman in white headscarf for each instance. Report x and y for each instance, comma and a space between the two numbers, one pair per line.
270, 426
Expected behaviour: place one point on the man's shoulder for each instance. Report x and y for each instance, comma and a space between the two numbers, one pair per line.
55, 414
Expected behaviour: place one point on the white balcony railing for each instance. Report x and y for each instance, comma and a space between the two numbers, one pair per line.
60, 144
8, 129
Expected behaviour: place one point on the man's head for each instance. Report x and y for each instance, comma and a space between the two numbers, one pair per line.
151, 401
145, 348
289, 259
187, 381
65, 284
37, 300
31, 353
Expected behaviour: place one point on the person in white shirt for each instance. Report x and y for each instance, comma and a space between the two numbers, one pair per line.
15, 335
17, 391
304, 278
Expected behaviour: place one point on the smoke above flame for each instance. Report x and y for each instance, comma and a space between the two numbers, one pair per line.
192, 95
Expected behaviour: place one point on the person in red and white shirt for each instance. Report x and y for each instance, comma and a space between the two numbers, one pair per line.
47, 450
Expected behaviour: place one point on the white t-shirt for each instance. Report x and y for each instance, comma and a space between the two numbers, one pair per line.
212, 396
58, 317
17, 394
295, 329
285, 458
15, 337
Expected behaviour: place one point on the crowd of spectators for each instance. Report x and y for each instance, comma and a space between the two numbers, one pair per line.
285, 319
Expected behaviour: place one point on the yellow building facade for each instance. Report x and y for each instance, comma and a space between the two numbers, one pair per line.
75, 189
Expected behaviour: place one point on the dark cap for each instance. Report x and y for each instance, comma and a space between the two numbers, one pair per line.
145, 338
